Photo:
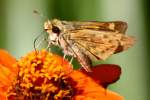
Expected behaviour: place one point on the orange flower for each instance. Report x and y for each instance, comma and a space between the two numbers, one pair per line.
41, 75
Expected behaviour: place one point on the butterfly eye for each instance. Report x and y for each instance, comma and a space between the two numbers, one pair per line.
56, 30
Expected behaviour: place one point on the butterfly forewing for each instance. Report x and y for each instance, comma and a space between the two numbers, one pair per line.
115, 26
100, 44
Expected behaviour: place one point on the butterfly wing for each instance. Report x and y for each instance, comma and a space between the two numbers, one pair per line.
100, 44
114, 26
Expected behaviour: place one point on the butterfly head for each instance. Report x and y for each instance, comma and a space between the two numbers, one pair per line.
54, 28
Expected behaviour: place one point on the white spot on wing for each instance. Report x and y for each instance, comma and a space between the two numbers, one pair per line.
112, 26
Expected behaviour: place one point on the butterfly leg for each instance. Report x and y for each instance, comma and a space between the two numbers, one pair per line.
71, 60
64, 56
67, 51
49, 45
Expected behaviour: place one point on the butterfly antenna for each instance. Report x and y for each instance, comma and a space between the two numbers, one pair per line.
40, 14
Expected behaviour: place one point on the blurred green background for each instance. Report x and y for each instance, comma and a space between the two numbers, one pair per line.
19, 26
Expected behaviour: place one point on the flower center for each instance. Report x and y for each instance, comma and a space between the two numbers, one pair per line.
42, 76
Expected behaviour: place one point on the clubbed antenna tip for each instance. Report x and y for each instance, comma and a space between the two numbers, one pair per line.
38, 13
35, 11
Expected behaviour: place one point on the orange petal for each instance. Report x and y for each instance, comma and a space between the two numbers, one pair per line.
2, 96
105, 74
7, 60
7, 68
4, 75
88, 89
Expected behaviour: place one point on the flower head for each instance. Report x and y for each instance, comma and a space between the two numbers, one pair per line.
41, 75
